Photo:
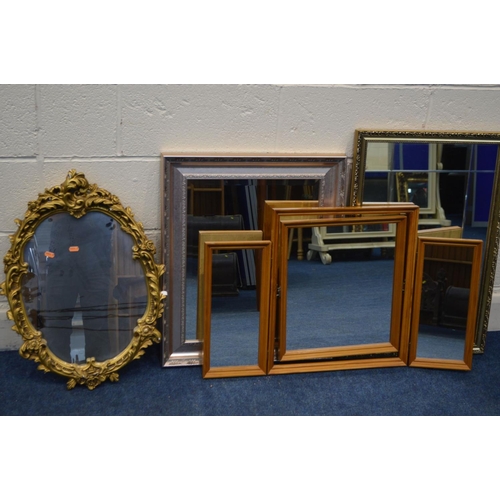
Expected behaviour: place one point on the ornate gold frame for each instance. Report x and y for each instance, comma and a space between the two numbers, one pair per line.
77, 197
361, 139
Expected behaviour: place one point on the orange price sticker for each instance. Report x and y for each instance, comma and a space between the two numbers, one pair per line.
74, 249
50, 255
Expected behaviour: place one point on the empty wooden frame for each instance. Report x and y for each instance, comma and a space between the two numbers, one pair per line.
239, 351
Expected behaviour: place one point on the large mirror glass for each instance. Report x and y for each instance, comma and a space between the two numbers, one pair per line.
83, 290
445, 305
451, 176
82, 284
226, 193
309, 286
235, 325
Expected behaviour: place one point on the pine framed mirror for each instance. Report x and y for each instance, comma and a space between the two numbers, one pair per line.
225, 186
303, 342
82, 284
453, 176
235, 327
445, 304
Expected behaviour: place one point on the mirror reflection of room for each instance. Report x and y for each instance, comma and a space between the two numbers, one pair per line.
446, 282
234, 322
451, 182
232, 205
235, 317
324, 304
83, 290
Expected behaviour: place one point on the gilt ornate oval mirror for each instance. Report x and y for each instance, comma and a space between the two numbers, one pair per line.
82, 283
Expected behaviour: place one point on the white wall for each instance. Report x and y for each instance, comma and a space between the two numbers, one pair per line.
115, 133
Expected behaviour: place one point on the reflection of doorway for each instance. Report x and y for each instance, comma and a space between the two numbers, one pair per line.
453, 184
464, 196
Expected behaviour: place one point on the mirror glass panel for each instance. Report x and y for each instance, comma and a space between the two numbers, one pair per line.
450, 175
83, 290
235, 322
235, 316
231, 205
324, 306
446, 303
226, 193
450, 182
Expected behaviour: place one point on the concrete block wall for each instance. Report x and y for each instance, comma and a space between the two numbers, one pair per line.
115, 134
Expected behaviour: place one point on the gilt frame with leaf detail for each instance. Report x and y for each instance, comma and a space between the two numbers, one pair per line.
77, 197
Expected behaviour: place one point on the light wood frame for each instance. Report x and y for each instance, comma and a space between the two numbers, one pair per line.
275, 219
263, 306
475, 267
392, 346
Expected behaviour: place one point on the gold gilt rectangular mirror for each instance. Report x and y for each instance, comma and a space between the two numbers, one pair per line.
445, 304
235, 326
340, 314
452, 176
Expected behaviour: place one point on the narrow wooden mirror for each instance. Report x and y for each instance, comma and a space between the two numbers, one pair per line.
235, 327
82, 284
445, 305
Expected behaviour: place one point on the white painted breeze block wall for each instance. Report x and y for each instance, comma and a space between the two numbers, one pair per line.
115, 134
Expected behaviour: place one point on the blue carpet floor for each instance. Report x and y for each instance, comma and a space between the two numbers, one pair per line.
145, 388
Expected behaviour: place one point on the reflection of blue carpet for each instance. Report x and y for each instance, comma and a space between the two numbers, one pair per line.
324, 309
344, 303
234, 331
191, 297
440, 343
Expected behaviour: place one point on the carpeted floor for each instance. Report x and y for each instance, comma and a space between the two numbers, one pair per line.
145, 388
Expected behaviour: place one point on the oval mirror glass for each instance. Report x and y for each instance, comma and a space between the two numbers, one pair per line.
83, 289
